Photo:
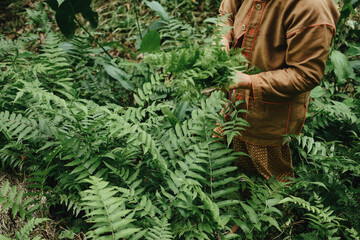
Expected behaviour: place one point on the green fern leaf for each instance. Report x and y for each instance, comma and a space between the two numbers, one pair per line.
14, 200
107, 212
25, 231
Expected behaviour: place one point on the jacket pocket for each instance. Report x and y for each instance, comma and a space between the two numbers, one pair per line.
267, 120
299, 106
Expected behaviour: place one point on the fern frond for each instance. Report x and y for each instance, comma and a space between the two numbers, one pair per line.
106, 211
331, 111
161, 231
54, 69
11, 155
25, 231
177, 33
79, 155
12, 198
39, 95
71, 201
15, 125
308, 146
321, 214
149, 144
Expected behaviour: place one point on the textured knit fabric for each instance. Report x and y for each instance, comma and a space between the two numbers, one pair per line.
267, 161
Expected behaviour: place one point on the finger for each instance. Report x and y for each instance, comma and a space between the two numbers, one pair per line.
208, 90
232, 87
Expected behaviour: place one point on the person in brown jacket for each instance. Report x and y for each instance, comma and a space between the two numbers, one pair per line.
290, 41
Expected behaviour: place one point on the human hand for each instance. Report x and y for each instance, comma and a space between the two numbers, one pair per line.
241, 80
226, 44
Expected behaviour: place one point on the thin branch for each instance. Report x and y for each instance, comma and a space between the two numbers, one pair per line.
137, 19
91, 36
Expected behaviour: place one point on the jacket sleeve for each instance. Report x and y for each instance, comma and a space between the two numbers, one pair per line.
230, 8
308, 42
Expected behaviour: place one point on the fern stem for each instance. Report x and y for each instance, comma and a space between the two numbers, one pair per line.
137, 19
92, 37
108, 215
210, 165
140, 33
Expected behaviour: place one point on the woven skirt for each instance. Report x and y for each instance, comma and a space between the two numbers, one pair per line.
266, 161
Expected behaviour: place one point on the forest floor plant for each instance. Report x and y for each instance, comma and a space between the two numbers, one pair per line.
126, 150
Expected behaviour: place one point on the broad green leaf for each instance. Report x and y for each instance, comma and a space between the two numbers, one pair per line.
242, 225
119, 75
66, 23
91, 16
353, 51
250, 212
150, 42
156, 25
60, 1
271, 221
355, 64
317, 92
342, 67
170, 116
154, 5
65, 14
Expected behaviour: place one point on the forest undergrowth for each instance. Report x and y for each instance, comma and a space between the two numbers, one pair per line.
105, 134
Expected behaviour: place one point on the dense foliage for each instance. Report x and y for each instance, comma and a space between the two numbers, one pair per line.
125, 149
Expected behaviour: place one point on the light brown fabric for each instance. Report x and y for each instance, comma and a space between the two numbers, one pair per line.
289, 40
267, 161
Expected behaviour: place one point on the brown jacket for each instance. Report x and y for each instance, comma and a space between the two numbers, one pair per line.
289, 40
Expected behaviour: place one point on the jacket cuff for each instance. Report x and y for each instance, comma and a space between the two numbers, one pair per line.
256, 87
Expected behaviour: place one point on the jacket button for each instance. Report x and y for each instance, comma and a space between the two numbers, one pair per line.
258, 6
243, 27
